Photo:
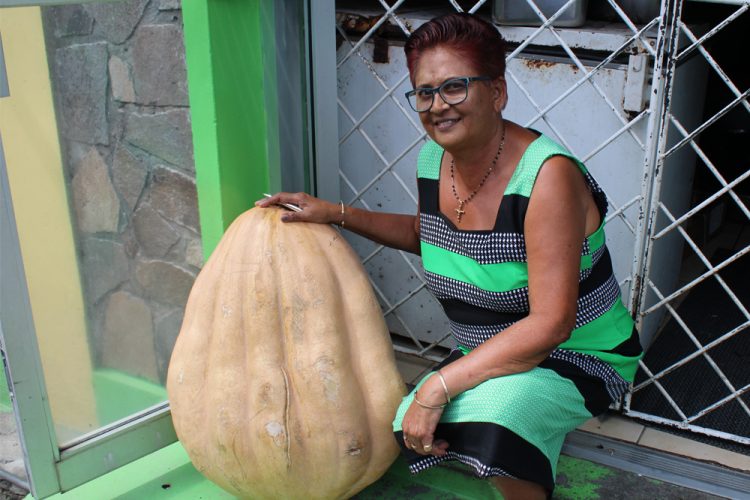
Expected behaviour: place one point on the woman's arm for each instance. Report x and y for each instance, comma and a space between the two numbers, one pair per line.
556, 223
397, 231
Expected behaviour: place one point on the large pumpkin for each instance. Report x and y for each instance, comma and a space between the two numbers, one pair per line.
283, 382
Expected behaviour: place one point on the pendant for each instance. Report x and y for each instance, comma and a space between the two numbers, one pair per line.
460, 210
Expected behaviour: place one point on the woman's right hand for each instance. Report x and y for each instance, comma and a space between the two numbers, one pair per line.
312, 209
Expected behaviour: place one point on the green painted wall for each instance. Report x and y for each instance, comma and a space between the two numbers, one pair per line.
232, 88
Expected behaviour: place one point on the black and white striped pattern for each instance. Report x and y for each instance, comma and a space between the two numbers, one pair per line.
472, 336
616, 385
594, 304
513, 301
483, 246
481, 470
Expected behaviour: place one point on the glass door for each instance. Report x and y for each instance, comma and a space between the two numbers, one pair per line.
102, 229
101, 214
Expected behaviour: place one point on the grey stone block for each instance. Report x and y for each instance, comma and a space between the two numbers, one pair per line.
174, 196
164, 282
81, 88
95, 202
159, 66
166, 135
167, 330
104, 267
128, 176
194, 253
120, 80
169, 4
70, 20
117, 20
155, 236
128, 340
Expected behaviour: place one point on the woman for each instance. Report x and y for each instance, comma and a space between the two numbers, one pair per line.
510, 229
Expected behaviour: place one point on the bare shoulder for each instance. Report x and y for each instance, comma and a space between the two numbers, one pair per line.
562, 197
560, 176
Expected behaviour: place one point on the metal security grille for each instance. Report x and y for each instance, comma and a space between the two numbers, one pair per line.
694, 375
622, 95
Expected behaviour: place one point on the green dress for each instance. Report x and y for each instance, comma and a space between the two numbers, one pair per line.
514, 426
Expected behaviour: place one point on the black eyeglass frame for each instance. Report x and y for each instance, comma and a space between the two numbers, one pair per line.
439, 89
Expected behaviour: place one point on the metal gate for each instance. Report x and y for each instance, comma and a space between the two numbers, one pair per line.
626, 95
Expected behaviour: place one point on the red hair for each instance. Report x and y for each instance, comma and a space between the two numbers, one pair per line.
472, 37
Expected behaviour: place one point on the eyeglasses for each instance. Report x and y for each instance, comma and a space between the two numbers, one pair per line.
453, 91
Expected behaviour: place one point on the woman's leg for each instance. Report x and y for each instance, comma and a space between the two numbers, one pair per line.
518, 489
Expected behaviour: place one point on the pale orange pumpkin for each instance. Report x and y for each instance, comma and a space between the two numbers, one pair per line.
283, 382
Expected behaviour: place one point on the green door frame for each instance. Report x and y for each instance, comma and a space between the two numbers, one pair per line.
253, 93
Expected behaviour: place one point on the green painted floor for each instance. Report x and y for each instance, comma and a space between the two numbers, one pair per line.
168, 474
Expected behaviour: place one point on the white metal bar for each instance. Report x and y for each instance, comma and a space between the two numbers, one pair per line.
731, 333
712, 62
589, 74
546, 24
373, 108
389, 90
370, 32
435, 343
405, 298
708, 264
734, 15
718, 404
621, 210
478, 4
693, 428
616, 135
663, 391
711, 167
703, 351
580, 65
632, 26
536, 106
661, 91
728, 187
697, 280
709, 122
396, 19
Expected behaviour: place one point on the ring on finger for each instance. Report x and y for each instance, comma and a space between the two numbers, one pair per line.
427, 448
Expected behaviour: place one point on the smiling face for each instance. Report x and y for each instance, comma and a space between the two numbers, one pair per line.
469, 124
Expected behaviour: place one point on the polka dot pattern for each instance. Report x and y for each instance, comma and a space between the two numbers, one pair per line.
472, 336
483, 247
596, 303
616, 385
481, 470
513, 301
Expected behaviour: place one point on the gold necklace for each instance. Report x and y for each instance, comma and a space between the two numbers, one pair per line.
460, 210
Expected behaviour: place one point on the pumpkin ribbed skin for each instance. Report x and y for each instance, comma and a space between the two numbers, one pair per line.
283, 382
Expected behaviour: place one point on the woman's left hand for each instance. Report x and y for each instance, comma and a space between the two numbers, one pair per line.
419, 429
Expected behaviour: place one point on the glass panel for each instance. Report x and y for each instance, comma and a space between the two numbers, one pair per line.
11, 453
103, 184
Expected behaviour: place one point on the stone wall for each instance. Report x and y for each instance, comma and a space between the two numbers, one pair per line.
118, 75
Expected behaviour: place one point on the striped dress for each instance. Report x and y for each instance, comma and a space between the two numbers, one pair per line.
514, 426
